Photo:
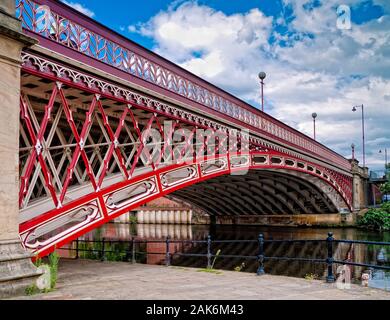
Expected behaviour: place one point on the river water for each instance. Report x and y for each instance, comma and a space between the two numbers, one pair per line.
154, 253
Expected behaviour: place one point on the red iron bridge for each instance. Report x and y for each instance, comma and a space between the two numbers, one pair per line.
107, 125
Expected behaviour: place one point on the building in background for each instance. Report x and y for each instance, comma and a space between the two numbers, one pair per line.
165, 211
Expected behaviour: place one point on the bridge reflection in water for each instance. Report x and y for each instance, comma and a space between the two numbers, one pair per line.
155, 253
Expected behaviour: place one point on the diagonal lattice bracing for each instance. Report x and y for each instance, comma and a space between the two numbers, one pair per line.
36, 154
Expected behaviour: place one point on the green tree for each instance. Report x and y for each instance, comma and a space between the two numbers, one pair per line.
385, 187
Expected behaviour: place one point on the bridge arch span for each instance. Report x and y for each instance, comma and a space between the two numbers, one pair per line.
252, 183
262, 191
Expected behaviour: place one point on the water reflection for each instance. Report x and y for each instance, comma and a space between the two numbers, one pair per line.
155, 253
379, 279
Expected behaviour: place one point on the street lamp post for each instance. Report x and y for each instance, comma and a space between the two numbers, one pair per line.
262, 76
380, 151
364, 147
314, 115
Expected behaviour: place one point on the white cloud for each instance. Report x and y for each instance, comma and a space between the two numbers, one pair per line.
208, 66
132, 29
327, 72
80, 7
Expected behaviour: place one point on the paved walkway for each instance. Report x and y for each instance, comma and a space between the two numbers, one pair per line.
85, 279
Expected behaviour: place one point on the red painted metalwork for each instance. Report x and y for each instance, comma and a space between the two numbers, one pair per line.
167, 143
91, 210
113, 146
65, 31
36, 151
70, 33
141, 147
79, 148
187, 145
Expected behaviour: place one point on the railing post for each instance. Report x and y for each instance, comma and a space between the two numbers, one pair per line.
133, 250
260, 257
102, 251
329, 240
167, 253
77, 248
208, 252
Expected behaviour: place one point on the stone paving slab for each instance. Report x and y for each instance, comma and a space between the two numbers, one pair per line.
85, 280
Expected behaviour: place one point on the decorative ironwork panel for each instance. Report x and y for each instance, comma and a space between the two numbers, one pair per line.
130, 195
52, 230
212, 166
177, 177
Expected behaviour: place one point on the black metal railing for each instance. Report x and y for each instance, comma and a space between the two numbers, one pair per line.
131, 252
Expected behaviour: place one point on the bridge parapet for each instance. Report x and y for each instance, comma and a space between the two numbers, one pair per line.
69, 33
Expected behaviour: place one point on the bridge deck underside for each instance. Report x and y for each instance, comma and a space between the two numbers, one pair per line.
255, 193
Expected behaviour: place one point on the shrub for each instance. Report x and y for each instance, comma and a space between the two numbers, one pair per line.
385, 187
378, 219
386, 207
311, 276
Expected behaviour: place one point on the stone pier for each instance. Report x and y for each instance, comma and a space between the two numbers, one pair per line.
16, 269
359, 186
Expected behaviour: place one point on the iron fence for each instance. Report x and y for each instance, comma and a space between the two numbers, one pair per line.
261, 258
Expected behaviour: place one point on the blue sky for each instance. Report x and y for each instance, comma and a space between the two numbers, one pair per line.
136, 11
312, 64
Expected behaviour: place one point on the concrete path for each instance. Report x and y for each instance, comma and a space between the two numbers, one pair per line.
85, 279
